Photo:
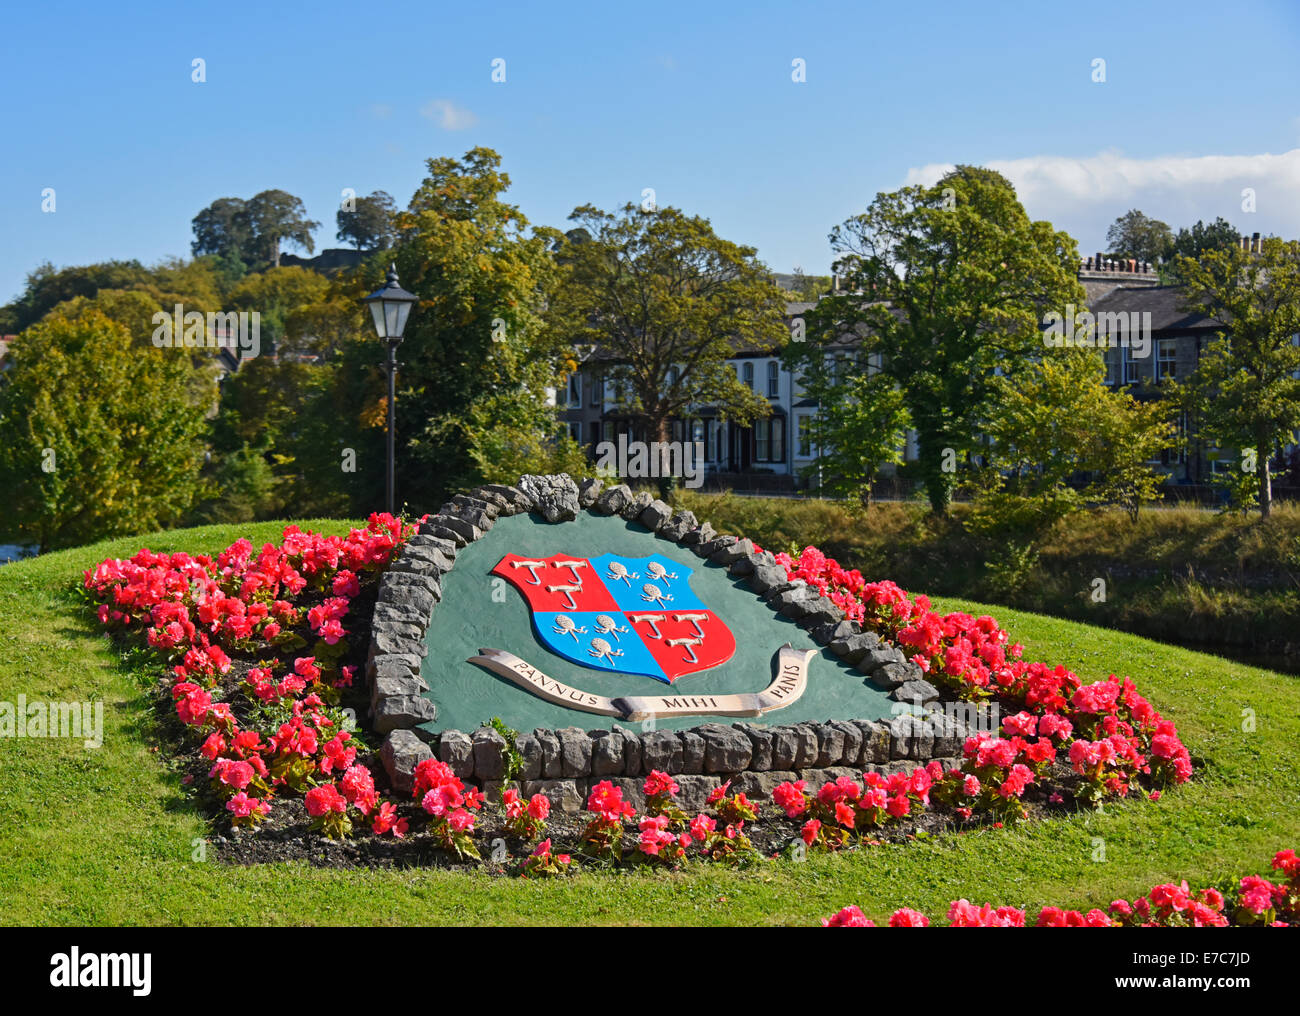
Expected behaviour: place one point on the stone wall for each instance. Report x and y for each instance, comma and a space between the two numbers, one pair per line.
564, 763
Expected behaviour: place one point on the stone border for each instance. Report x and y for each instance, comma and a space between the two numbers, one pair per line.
564, 762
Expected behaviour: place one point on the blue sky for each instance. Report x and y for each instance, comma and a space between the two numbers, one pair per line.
600, 101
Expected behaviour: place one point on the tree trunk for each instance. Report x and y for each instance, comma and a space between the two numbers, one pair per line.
938, 481
659, 432
1265, 482
864, 494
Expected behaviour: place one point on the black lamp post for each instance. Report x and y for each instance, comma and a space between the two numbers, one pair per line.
390, 307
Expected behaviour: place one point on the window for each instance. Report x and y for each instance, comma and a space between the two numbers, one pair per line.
1131, 375
597, 391
719, 439
1176, 455
607, 430
747, 375
769, 440
1166, 359
1111, 357
773, 379
575, 388
805, 436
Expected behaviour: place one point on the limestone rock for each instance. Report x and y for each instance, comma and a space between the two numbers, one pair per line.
556, 495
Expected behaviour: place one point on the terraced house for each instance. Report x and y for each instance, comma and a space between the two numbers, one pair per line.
770, 454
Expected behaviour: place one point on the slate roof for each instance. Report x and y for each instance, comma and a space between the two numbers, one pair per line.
1164, 303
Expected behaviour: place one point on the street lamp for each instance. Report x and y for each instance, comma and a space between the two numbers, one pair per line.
390, 307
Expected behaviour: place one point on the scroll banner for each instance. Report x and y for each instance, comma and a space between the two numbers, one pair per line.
788, 685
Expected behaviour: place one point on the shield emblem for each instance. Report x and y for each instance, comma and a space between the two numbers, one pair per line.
629, 615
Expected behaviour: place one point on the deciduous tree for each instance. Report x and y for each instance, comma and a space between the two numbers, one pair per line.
946, 287
667, 301
99, 436
1245, 390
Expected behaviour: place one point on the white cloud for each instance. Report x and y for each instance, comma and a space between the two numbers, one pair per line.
1084, 195
447, 115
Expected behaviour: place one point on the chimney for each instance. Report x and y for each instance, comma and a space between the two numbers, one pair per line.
1256, 244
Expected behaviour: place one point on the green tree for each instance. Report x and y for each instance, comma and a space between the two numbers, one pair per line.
277, 217
99, 436
860, 424
1063, 440
48, 286
241, 488
1202, 238
1134, 235
946, 286
224, 228
1245, 391
280, 295
667, 301
808, 288
369, 224
476, 358
253, 231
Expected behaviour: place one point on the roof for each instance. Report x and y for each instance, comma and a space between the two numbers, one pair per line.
1165, 304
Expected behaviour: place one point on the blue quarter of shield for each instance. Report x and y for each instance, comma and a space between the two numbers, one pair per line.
659, 584
582, 637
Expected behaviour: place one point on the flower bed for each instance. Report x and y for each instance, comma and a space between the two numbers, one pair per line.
1254, 901
1113, 738
262, 659
258, 653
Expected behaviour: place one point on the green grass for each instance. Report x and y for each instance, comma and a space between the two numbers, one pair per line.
1216, 582
106, 836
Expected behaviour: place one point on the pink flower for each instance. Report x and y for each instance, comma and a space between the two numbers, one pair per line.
907, 918
539, 806
324, 799
442, 799
790, 798
658, 783
461, 821
701, 826
241, 805
386, 820
849, 917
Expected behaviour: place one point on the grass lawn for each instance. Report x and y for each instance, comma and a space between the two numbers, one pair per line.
107, 836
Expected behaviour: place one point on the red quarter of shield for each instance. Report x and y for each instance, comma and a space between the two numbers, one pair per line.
684, 641
561, 582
